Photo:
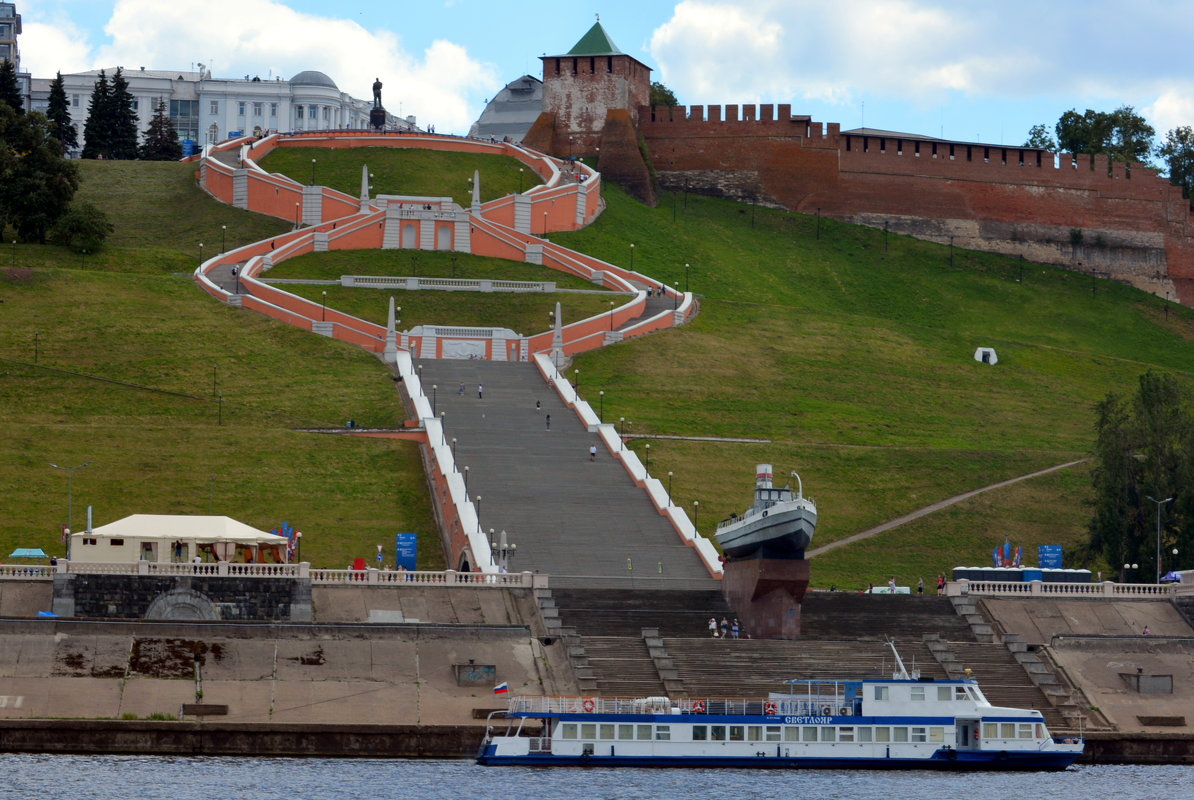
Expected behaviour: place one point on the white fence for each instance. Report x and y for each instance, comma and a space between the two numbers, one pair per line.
1072, 591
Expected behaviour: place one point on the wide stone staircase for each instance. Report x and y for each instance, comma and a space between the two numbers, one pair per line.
1003, 679
836, 615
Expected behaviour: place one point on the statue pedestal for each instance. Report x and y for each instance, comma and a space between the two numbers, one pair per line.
766, 595
377, 118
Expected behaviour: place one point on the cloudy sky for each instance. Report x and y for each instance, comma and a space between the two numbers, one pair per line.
961, 70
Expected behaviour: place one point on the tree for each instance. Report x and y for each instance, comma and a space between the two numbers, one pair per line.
10, 90
82, 228
1040, 138
1178, 155
123, 141
97, 134
161, 138
661, 95
1144, 447
58, 112
36, 181
1122, 134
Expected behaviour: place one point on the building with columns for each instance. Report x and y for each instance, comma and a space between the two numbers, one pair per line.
206, 110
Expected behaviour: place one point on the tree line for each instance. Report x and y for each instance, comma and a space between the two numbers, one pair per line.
1124, 136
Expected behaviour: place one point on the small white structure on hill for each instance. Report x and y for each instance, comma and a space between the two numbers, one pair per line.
986, 355
168, 538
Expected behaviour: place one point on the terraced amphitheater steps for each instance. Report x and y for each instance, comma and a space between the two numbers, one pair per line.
1004, 681
604, 612
622, 667
832, 615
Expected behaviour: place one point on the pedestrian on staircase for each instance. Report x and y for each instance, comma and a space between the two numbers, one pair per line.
480, 392
549, 421
734, 628
713, 627
461, 392
725, 627
592, 452
920, 586
538, 406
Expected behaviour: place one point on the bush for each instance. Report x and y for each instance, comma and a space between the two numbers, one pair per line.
82, 228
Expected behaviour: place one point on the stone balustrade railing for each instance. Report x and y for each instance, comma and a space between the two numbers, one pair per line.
1072, 591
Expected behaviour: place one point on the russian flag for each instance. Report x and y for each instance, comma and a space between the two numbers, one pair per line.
501, 688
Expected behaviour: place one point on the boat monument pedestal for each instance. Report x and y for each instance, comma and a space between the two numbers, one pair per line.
765, 593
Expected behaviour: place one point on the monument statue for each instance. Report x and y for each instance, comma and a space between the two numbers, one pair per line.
377, 93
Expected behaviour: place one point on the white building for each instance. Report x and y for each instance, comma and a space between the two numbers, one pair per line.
206, 110
10, 27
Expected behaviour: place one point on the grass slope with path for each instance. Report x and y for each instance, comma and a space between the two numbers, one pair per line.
850, 351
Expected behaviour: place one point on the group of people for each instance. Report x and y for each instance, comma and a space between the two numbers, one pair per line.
726, 629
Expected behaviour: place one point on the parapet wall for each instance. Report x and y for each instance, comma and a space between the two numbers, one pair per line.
1013, 200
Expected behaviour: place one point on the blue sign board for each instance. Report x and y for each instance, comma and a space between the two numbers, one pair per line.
188, 147
406, 547
1049, 556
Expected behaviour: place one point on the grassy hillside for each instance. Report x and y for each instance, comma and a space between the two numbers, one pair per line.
854, 357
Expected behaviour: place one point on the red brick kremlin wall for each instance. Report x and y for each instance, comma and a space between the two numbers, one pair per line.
1135, 226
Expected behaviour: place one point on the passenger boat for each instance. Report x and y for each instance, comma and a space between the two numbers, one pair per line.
902, 723
779, 524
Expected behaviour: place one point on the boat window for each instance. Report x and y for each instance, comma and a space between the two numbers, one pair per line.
990, 730
937, 734
809, 735
882, 734
960, 693
881, 692
864, 734
1040, 731
643, 732
717, 733
568, 730
899, 734
773, 733
588, 730
918, 694
1025, 730
919, 734
754, 733
827, 733
1007, 730
607, 731
845, 734
625, 732
791, 734
663, 733
737, 733
700, 733
945, 693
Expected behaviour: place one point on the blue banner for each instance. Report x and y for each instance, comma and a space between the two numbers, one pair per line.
406, 548
1049, 556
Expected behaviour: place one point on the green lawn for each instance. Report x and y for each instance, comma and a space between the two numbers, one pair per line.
852, 356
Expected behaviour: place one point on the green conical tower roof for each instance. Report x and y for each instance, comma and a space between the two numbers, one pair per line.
595, 43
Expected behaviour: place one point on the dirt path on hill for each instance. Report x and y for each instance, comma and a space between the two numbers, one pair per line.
929, 509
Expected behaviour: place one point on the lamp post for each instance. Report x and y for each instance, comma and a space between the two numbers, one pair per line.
201, 252
632, 256
1173, 564
696, 514
477, 503
520, 180
298, 546
669, 487
503, 549
1159, 504
647, 467
296, 216
601, 413
453, 448
223, 238
545, 223
611, 315
434, 391
686, 267
621, 433
576, 379
69, 472
312, 172
443, 432
323, 314
1123, 573
466, 480
14, 253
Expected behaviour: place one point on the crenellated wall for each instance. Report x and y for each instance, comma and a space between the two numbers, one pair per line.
1014, 200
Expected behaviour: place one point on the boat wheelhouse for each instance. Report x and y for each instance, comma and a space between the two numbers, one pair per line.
780, 523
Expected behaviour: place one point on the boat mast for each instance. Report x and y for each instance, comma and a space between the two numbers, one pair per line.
902, 673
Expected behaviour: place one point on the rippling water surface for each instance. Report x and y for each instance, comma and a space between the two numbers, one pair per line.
53, 777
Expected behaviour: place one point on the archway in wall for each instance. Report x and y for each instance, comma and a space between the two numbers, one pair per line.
464, 565
443, 237
410, 236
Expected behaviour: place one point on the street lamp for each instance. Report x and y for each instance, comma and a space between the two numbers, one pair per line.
1173, 564
453, 448
648, 464
696, 514
201, 252
601, 413
434, 390
632, 256
669, 487
296, 216
312, 172
223, 238
621, 433
70, 491
466, 480
576, 379
323, 315
685, 279
1159, 504
504, 550
1123, 577
520, 180
611, 315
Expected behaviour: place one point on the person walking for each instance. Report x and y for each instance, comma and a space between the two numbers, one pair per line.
725, 627
461, 392
713, 627
592, 452
549, 421
480, 392
920, 586
734, 628
538, 406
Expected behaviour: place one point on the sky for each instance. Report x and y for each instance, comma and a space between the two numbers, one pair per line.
959, 69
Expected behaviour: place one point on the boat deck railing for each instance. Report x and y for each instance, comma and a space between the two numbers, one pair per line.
821, 704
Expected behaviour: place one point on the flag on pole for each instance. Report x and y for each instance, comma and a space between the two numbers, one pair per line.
501, 688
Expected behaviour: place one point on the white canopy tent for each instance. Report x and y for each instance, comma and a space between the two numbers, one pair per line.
171, 537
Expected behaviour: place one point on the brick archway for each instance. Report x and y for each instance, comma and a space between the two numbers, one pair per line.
182, 604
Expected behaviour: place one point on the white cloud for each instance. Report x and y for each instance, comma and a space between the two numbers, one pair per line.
1173, 108
50, 48
266, 38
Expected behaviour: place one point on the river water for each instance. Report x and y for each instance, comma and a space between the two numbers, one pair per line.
62, 777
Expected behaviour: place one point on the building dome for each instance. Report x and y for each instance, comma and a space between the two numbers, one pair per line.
310, 77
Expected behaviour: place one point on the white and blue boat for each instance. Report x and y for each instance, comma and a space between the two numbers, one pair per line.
902, 723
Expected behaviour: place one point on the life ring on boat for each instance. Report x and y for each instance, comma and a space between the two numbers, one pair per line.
588, 705
770, 708
698, 707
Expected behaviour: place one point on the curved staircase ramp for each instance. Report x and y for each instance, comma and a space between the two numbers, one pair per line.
571, 518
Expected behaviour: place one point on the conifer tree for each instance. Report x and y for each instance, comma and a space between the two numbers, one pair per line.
36, 182
97, 136
161, 138
10, 90
123, 141
58, 111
